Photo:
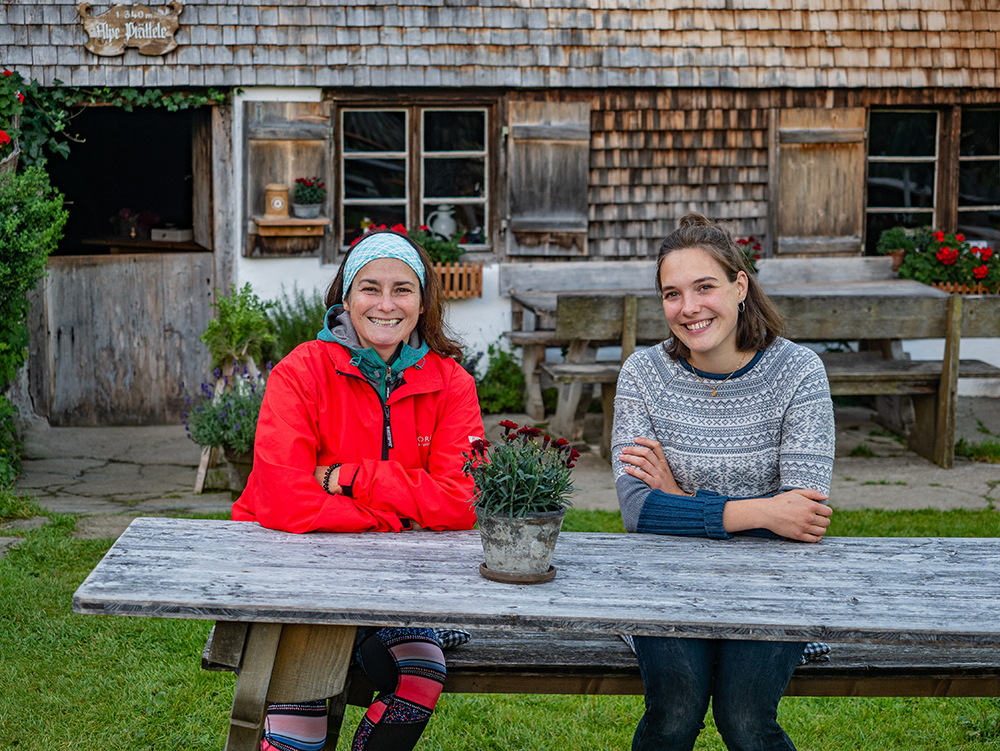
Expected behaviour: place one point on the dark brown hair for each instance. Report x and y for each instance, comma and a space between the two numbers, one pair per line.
760, 322
430, 324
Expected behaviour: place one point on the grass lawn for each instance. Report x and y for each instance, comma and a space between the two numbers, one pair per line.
82, 682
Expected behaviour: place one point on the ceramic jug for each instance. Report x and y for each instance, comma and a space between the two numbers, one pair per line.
442, 221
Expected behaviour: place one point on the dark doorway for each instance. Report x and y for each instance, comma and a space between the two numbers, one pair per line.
132, 174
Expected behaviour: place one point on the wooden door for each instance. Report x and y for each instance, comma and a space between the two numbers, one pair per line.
817, 181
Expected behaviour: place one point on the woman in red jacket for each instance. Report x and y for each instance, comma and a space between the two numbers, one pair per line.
363, 430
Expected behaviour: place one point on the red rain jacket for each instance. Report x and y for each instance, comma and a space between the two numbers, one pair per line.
318, 410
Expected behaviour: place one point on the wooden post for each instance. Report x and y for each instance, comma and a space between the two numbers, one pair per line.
246, 720
944, 443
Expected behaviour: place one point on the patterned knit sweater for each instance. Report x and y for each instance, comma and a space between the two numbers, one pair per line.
769, 429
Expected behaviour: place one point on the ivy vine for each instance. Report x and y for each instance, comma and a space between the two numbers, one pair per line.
49, 110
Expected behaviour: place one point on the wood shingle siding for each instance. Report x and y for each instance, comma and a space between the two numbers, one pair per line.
552, 44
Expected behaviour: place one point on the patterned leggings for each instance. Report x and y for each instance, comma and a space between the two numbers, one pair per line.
407, 667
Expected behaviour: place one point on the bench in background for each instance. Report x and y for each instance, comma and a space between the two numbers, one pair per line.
546, 663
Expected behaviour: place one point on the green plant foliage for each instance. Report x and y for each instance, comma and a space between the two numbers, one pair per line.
229, 419
31, 223
862, 450
48, 111
439, 249
520, 476
239, 329
501, 389
894, 238
296, 318
10, 447
948, 257
11, 105
14, 506
979, 451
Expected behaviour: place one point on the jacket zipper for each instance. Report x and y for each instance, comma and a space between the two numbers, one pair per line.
386, 423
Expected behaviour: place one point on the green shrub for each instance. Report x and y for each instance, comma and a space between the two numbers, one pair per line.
501, 389
239, 329
10, 449
31, 223
297, 318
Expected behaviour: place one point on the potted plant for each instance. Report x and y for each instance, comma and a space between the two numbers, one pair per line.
234, 338
949, 262
308, 196
895, 242
522, 490
751, 250
229, 419
11, 105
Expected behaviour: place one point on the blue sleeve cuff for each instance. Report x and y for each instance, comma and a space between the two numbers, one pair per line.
697, 516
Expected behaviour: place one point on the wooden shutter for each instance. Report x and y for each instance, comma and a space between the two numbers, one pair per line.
549, 150
201, 177
817, 181
285, 140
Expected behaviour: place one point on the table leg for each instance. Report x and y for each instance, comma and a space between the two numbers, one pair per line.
531, 355
250, 698
570, 412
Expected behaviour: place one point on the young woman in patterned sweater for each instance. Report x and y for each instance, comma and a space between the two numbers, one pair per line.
724, 428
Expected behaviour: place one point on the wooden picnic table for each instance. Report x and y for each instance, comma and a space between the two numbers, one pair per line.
884, 590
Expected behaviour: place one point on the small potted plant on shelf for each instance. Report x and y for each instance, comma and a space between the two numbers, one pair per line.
948, 261
895, 242
522, 489
308, 196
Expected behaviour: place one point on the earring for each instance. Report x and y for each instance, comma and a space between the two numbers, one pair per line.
742, 307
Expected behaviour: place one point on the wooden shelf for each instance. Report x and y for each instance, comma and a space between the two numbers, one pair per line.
291, 227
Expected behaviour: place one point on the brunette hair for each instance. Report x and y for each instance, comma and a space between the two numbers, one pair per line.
759, 323
430, 324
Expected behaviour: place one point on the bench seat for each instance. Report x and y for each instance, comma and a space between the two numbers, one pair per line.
545, 663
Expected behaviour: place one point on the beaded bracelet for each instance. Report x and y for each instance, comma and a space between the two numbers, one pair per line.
326, 477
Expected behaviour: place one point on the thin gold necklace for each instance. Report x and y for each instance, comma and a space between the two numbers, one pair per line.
715, 388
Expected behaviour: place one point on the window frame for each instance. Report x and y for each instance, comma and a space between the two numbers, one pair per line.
933, 211
414, 201
966, 159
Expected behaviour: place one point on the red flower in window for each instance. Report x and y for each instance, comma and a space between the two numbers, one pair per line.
981, 272
947, 256
960, 238
939, 236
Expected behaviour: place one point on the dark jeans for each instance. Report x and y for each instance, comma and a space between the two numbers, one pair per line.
744, 679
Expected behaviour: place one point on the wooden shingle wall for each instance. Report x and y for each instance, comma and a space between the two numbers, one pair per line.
529, 43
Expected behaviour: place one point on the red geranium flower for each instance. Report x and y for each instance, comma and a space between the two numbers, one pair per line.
986, 253
939, 236
8, 72
947, 256
981, 271
399, 228
4, 138
20, 97
960, 238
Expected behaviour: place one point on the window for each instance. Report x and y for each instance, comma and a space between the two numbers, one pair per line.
902, 171
979, 174
439, 178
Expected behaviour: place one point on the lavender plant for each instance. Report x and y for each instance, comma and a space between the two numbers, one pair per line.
229, 419
521, 476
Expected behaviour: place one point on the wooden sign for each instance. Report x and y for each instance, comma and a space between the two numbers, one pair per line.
121, 26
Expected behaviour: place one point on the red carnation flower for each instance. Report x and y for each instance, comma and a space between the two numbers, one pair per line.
529, 432
508, 425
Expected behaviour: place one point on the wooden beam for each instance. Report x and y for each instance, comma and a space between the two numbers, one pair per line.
944, 446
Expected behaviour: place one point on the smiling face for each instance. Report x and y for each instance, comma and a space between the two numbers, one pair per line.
384, 304
701, 307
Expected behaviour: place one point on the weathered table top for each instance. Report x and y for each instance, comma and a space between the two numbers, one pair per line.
899, 590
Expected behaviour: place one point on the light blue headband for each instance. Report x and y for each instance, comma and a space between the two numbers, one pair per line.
381, 245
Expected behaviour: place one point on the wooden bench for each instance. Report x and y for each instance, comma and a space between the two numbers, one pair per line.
829, 314
546, 663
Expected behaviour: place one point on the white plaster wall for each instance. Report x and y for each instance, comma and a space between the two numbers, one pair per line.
987, 350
